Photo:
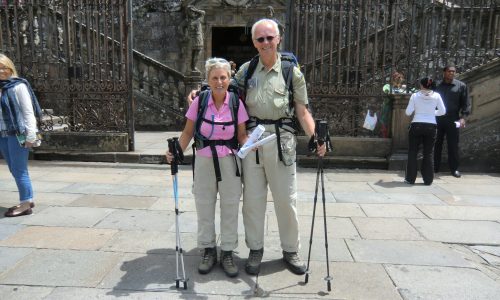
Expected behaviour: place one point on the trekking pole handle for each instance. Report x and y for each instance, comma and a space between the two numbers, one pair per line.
321, 131
174, 165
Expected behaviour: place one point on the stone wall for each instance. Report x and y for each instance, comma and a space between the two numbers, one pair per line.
480, 139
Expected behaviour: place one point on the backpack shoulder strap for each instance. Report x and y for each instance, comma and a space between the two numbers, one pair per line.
234, 106
288, 62
250, 70
202, 108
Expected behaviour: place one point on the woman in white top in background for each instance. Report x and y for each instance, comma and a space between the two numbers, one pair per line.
425, 105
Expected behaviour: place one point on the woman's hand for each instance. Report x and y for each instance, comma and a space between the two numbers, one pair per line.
169, 157
29, 144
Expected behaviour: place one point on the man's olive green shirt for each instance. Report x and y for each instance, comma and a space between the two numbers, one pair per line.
267, 94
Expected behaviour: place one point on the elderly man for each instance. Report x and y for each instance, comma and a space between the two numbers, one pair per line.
273, 164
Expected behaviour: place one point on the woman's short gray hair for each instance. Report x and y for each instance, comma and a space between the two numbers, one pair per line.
217, 63
261, 21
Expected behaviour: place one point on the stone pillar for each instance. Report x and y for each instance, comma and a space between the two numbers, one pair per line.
399, 128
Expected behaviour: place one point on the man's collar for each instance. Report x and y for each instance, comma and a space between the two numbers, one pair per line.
276, 67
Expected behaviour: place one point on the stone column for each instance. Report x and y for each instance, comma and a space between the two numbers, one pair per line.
399, 128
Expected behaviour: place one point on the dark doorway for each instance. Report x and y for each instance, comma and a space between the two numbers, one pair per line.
233, 43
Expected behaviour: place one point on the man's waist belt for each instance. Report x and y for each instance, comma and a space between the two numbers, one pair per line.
287, 124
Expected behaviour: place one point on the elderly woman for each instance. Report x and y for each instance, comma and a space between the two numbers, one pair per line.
18, 131
425, 105
216, 135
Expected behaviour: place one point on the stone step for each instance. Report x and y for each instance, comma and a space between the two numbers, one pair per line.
141, 158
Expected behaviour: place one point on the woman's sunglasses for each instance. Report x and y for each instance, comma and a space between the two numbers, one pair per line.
269, 38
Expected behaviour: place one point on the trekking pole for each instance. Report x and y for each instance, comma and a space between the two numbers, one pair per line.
323, 137
178, 156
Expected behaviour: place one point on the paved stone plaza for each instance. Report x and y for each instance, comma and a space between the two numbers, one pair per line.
106, 231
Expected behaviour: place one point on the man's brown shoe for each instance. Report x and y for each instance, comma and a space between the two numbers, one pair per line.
20, 210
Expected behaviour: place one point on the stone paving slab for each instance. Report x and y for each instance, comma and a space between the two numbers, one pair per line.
164, 179
11, 198
332, 209
20, 292
9, 257
109, 294
68, 216
391, 211
461, 212
471, 189
401, 187
85, 177
168, 204
385, 229
113, 201
60, 238
489, 253
138, 220
460, 232
386, 198
39, 186
431, 282
7, 230
308, 197
46, 267
407, 253
114, 189
490, 200
337, 249
338, 228
150, 241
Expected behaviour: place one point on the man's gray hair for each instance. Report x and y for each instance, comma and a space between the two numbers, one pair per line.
217, 63
261, 21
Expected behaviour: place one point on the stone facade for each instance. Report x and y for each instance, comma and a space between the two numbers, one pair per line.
158, 26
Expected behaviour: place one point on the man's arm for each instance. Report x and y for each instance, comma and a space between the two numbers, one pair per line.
465, 103
305, 118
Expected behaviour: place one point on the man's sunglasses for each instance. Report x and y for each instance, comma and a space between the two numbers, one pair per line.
269, 38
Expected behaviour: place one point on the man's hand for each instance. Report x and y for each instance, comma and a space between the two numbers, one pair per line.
321, 149
191, 97
314, 146
462, 123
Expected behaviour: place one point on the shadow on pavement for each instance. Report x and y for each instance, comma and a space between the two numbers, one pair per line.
156, 272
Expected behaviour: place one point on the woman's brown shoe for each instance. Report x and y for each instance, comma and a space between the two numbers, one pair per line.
32, 204
20, 210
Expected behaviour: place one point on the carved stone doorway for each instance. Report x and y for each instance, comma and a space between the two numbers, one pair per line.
233, 43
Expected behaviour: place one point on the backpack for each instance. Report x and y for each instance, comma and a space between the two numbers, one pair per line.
201, 141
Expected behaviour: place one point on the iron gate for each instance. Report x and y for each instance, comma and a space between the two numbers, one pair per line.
77, 56
348, 50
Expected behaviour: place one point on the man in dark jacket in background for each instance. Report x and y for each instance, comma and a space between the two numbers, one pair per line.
456, 99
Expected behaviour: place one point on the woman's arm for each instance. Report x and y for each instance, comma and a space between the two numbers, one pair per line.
26, 105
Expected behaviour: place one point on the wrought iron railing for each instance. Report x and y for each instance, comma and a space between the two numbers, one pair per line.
77, 55
349, 49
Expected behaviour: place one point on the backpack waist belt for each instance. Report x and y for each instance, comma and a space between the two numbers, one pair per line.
287, 124
231, 144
